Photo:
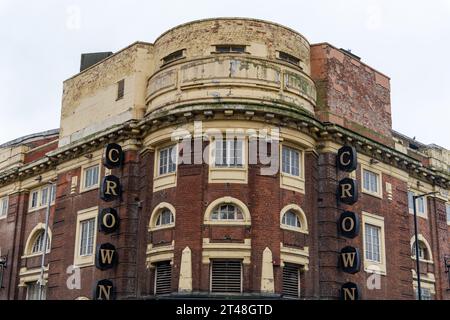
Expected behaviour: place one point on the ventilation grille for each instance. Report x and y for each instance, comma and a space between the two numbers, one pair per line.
163, 277
291, 283
226, 276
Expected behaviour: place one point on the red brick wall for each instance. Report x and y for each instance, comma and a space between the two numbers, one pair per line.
350, 93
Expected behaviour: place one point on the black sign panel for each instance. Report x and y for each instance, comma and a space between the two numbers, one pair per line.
348, 224
350, 260
348, 191
108, 220
106, 257
110, 188
104, 290
346, 159
349, 291
114, 156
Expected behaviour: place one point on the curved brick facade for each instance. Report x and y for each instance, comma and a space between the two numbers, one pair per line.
318, 98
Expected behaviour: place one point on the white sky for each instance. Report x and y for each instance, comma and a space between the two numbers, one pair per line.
41, 42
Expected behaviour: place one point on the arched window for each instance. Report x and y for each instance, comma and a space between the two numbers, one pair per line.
293, 218
35, 241
163, 216
227, 210
38, 245
425, 253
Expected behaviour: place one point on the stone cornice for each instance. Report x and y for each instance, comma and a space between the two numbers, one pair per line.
287, 116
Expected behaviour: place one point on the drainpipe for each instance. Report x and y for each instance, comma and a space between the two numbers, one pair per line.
47, 214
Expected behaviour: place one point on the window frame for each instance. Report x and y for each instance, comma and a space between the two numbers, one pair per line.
39, 228
227, 200
85, 260
424, 241
447, 212
231, 46
3, 210
84, 170
379, 179
169, 163
120, 89
211, 265
371, 266
167, 180
226, 150
288, 181
156, 213
289, 58
172, 57
300, 215
422, 214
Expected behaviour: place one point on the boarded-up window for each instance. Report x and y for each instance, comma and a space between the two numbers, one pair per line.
226, 276
120, 89
291, 281
163, 278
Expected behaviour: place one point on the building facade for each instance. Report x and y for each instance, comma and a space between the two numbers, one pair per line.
188, 212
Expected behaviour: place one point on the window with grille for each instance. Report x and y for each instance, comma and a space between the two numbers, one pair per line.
291, 161
230, 49
91, 176
87, 237
291, 281
38, 244
167, 160
226, 276
370, 181
291, 219
163, 278
165, 218
3, 207
227, 212
229, 153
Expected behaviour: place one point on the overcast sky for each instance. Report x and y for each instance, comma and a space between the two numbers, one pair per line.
41, 42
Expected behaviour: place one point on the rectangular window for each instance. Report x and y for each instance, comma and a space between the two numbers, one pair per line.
411, 201
229, 153
421, 205
426, 293
120, 89
289, 58
44, 196
34, 199
163, 278
87, 237
3, 207
370, 181
372, 243
33, 291
230, 49
226, 276
291, 161
173, 56
167, 160
53, 193
374, 247
91, 176
291, 281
